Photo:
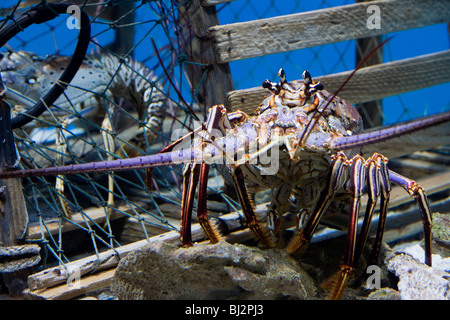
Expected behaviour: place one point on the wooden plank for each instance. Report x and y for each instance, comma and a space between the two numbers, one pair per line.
368, 84
98, 281
209, 78
314, 28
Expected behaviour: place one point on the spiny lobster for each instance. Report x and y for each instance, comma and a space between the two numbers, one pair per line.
100, 80
303, 143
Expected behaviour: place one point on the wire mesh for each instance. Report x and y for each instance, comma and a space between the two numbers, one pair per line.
74, 131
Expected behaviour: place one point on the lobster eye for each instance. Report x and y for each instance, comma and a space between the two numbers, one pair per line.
274, 87
316, 87
282, 75
307, 77
267, 84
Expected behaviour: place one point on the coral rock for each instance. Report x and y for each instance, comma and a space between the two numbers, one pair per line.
206, 271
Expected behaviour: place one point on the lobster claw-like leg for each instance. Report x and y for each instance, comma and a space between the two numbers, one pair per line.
336, 180
379, 186
379, 178
202, 214
217, 121
379, 182
375, 171
191, 175
418, 193
252, 222
357, 180
190, 181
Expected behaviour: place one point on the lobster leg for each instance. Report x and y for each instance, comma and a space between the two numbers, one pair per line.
379, 186
191, 176
202, 214
418, 193
373, 181
336, 180
279, 204
247, 208
385, 186
190, 181
356, 190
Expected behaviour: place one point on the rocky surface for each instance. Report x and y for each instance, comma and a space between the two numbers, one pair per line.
225, 271
418, 281
221, 271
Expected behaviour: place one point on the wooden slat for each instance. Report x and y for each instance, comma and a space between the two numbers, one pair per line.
314, 28
72, 290
368, 84
212, 80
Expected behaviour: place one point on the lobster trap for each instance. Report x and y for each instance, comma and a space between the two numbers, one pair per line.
148, 74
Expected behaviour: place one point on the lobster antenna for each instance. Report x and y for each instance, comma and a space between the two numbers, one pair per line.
314, 118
